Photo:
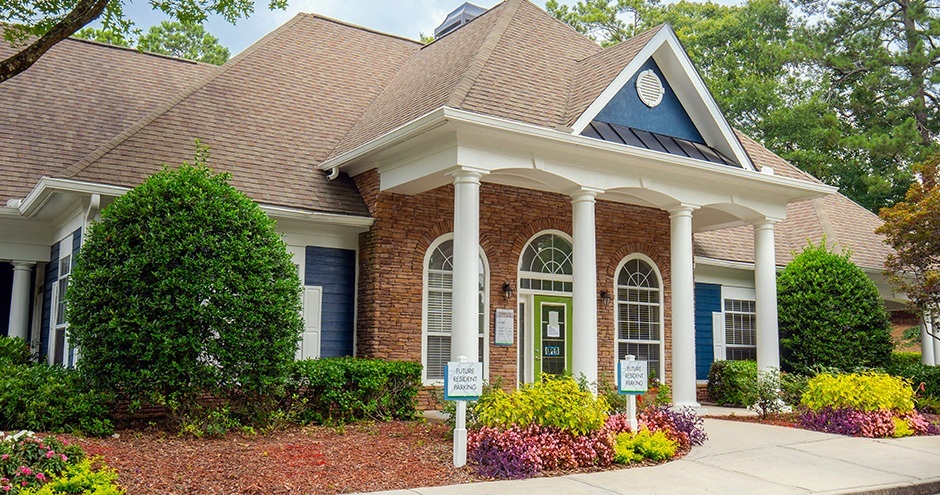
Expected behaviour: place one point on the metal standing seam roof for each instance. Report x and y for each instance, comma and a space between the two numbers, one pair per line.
639, 138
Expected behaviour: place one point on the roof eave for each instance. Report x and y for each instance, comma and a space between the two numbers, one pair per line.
796, 190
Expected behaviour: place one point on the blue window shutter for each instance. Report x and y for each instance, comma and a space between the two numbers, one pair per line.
335, 271
52, 274
707, 301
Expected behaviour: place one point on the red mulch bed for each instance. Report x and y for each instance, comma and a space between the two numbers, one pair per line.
320, 460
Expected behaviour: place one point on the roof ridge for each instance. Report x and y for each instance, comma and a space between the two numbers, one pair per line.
823, 216
361, 28
131, 49
463, 87
134, 128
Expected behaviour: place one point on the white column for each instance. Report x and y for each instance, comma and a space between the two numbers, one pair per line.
927, 356
683, 307
19, 301
584, 290
765, 289
465, 328
934, 337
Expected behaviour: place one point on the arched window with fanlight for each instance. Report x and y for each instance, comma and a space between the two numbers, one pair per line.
546, 263
639, 312
438, 308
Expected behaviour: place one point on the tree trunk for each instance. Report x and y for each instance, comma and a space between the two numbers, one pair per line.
85, 12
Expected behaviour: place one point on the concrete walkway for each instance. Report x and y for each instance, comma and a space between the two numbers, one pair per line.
746, 458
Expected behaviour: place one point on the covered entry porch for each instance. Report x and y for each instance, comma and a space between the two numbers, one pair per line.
463, 150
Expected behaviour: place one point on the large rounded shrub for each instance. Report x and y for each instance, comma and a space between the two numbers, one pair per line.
182, 289
830, 314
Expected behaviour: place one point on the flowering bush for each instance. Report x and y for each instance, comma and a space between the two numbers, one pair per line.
519, 452
80, 477
681, 426
29, 461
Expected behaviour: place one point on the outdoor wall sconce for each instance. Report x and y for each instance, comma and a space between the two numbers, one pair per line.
605, 298
507, 290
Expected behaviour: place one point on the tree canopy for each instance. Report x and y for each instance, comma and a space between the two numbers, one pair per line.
35, 26
846, 90
189, 41
912, 228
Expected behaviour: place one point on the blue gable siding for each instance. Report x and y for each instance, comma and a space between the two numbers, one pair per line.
669, 117
335, 271
707, 301
52, 273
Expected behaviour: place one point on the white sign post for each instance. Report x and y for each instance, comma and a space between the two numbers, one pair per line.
463, 381
632, 380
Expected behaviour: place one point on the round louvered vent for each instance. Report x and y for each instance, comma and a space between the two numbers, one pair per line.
649, 88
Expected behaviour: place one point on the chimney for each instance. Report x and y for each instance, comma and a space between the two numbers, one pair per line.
460, 16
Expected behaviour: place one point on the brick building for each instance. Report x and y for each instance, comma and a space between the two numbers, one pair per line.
596, 199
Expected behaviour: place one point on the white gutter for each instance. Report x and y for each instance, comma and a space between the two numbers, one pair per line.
444, 115
47, 186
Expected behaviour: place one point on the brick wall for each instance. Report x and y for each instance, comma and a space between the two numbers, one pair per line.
392, 253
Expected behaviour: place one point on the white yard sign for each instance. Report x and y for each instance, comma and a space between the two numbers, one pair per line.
463, 381
632, 377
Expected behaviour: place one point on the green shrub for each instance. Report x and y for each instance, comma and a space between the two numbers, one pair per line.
925, 379
555, 401
643, 445
792, 387
13, 350
81, 478
183, 289
51, 398
730, 382
865, 392
905, 359
830, 314
340, 390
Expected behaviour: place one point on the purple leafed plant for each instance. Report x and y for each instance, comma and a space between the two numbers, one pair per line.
688, 422
848, 421
496, 461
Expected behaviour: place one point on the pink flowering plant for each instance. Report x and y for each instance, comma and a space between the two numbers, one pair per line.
28, 461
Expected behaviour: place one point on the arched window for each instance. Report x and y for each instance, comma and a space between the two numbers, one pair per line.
640, 312
546, 263
438, 308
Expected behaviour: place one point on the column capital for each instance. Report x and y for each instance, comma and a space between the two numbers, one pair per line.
583, 194
23, 265
681, 210
466, 174
765, 223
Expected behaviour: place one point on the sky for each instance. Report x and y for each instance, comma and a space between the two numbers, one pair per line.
407, 18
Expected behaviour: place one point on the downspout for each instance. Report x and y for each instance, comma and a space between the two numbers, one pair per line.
334, 173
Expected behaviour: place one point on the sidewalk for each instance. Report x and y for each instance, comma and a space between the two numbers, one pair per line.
746, 458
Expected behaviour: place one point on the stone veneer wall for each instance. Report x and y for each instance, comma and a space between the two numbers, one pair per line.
392, 253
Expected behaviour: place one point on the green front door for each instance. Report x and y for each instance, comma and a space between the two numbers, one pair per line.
552, 335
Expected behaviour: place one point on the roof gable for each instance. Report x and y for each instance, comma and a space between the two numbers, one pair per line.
668, 117
664, 48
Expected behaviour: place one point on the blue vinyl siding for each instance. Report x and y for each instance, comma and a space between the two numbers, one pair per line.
669, 117
52, 274
707, 301
335, 271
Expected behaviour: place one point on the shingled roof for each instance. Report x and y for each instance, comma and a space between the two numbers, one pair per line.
844, 224
75, 98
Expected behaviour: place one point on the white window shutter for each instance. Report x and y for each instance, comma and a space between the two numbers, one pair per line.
718, 335
309, 345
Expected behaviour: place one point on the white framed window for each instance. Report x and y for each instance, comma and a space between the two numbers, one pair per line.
545, 265
59, 349
438, 309
639, 312
735, 327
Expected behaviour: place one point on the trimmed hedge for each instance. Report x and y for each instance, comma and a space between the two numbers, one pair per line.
730, 382
50, 398
904, 358
341, 390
